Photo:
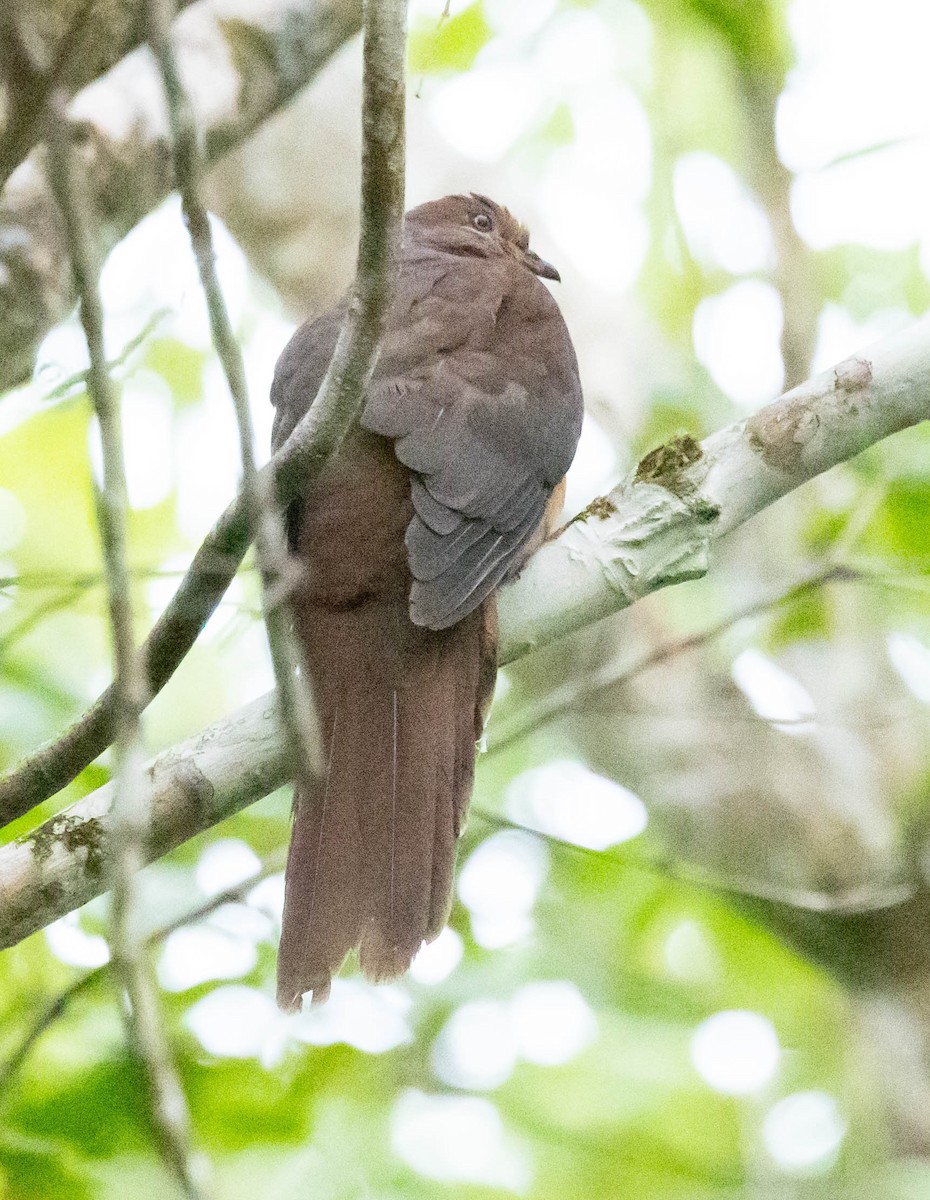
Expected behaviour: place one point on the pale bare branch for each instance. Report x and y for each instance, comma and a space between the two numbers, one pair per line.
653, 530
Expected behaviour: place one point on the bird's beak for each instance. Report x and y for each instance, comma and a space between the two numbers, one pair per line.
539, 266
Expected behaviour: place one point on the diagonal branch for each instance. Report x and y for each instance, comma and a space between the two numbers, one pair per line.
654, 530
240, 68
96, 37
574, 695
658, 528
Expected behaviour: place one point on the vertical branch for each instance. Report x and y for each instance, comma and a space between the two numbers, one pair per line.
793, 276
382, 210
295, 703
130, 806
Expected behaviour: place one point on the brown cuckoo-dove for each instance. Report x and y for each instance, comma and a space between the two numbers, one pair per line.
453, 476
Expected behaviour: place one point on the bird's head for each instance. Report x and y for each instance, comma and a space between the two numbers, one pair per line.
475, 225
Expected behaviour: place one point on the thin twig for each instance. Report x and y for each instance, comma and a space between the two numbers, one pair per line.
575, 694
64, 599
871, 571
55, 1010
71, 587
41, 580
130, 804
298, 716
300, 460
65, 390
793, 274
341, 394
862, 899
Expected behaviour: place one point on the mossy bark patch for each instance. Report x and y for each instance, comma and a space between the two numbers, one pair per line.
72, 833
603, 508
665, 464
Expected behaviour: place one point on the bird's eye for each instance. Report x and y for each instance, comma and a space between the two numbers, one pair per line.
482, 221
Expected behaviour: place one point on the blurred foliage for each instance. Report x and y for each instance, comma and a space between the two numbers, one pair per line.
756, 825
755, 34
449, 44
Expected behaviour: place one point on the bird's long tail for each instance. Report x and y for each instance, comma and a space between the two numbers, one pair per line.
373, 846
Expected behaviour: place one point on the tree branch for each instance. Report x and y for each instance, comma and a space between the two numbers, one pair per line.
658, 528
654, 530
192, 787
133, 970
239, 70
793, 274
302, 457
96, 37
577, 693
264, 522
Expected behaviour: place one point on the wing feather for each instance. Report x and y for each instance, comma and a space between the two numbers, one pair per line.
486, 413
477, 386
441, 602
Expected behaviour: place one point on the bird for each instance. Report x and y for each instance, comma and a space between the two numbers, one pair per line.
451, 478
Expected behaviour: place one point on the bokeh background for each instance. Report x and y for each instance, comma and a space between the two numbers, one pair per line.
689, 954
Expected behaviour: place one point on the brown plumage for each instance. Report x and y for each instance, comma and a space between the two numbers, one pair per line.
451, 479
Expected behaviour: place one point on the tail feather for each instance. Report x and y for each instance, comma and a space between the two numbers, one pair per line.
447, 783
373, 847
400, 825
326, 844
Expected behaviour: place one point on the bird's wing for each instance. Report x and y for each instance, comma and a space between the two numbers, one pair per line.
300, 370
298, 375
478, 386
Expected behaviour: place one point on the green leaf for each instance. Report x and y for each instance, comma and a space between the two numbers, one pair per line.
451, 44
